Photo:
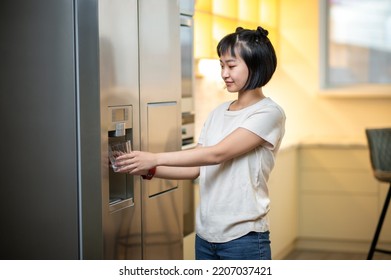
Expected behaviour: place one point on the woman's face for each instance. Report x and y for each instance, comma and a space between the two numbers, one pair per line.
234, 71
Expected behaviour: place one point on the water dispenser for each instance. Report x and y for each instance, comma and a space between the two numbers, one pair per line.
121, 188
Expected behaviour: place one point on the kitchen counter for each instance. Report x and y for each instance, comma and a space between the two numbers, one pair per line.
325, 142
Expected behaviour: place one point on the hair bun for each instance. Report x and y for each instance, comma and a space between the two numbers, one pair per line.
238, 29
262, 32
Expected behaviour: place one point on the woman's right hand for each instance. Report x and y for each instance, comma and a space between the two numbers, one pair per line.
136, 162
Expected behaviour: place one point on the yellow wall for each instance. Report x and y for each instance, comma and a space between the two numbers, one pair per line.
295, 85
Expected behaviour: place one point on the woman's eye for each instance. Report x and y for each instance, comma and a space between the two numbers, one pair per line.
229, 66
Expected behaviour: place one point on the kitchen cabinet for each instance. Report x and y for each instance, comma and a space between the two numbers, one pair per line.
339, 199
283, 215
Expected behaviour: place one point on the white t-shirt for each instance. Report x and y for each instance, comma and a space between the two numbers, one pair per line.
234, 197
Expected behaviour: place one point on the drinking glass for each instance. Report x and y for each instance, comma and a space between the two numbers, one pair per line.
116, 149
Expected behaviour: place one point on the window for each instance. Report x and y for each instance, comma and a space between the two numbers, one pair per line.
356, 43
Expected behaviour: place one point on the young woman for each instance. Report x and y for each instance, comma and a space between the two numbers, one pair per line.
234, 157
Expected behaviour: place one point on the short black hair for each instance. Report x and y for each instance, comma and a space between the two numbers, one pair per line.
255, 48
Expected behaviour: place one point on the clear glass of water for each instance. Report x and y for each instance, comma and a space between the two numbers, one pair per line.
116, 149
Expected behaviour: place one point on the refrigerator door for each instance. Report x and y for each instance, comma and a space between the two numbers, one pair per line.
119, 92
37, 108
49, 107
160, 115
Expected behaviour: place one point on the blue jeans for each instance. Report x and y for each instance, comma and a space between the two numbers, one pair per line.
252, 246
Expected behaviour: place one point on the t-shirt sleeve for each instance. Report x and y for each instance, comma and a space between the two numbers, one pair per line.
202, 136
268, 123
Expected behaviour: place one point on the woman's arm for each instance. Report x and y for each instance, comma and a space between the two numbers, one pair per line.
235, 144
177, 173
168, 172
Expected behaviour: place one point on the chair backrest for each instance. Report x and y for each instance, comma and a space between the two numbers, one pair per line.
379, 144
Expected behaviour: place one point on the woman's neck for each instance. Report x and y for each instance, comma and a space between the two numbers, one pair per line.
247, 98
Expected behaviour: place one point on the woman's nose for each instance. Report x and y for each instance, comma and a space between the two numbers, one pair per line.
224, 73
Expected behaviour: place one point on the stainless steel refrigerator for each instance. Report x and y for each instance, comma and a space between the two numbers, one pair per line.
75, 76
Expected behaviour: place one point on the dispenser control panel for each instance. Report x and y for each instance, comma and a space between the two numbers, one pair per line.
120, 119
119, 114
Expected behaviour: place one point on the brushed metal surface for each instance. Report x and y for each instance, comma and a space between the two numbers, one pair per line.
160, 84
119, 88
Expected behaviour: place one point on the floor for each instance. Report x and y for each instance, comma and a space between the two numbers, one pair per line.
325, 255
